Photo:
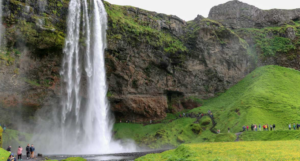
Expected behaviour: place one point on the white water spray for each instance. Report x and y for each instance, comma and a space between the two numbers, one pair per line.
85, 125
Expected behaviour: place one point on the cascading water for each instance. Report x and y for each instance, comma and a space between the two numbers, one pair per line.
83, 125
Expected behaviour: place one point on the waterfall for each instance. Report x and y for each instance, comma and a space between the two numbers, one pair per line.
82, 125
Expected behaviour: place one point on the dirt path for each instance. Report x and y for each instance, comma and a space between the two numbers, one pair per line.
238, 136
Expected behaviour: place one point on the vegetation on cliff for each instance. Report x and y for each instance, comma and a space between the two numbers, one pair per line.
135, 29
270, 41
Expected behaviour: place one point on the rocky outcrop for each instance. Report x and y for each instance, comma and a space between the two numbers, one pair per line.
235, 14
139, 108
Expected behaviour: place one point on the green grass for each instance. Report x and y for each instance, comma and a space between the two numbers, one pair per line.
74, 159
3, 154
270, 135
71, 159
272, 150
269, 95
225, 137
164, 134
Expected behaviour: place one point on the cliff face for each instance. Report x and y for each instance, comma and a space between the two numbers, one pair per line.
155, 63
236, 14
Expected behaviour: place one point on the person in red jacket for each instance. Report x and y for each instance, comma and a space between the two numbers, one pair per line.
247, 127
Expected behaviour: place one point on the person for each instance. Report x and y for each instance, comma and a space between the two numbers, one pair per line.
12, 157
219, 131
27, 150
271, 127
244, 128
294, 126
255, 127
290, 126
228, 130
20, 149
183, 114
150, 121
267, 127
8, 149
247, 127
259, 127
32, 149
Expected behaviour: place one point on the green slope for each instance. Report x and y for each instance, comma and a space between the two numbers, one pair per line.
3, 154
269, 95
234, 151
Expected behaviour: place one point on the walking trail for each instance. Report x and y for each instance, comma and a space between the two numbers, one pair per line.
238, 136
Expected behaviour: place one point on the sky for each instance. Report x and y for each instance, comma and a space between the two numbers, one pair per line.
189, 9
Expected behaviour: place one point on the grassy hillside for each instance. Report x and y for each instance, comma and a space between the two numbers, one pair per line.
269, 95
272, 150
160, 135
3, 154
271, 135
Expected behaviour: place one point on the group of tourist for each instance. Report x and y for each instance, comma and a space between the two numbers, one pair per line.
294, 126
29, 152
265, 127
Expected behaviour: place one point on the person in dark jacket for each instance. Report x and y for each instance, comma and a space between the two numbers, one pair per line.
274, 127
32, 149
28, 151
8, 149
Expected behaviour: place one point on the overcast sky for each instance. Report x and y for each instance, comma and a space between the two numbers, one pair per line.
189, 9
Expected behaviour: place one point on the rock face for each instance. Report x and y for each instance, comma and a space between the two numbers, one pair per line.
155, 63
236, 14
211, 60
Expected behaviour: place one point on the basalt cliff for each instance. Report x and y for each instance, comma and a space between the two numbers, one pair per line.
155, 63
